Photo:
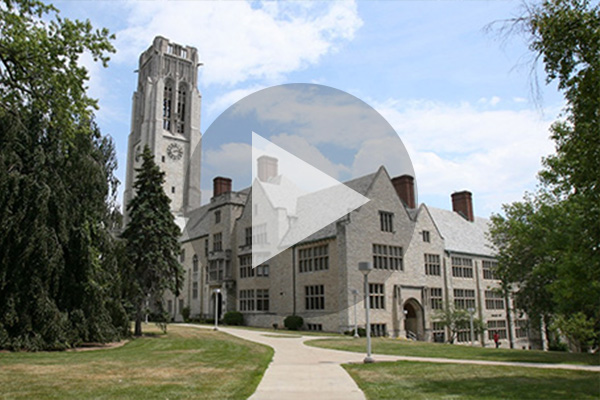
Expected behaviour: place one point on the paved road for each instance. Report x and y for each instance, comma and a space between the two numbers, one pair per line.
304, 372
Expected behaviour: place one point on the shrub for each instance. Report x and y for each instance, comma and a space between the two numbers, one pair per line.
185, 313
233, 318
293, 322
361, 332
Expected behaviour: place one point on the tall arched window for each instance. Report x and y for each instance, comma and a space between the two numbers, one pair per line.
181, 100
195, 263
167, 105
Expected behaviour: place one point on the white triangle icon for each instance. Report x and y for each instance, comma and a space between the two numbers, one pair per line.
291, 200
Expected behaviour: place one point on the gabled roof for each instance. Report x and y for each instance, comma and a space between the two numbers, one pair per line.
460, 235
198, 223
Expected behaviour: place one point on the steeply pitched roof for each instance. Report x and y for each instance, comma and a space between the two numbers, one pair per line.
461, 235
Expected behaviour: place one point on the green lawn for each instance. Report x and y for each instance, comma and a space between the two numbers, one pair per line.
186, 363
422, 349
421, 380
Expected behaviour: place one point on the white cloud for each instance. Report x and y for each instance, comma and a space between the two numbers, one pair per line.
241, 40
301, 148
228, 160
495, 154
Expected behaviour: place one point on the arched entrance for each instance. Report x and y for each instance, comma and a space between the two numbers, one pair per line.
413, 319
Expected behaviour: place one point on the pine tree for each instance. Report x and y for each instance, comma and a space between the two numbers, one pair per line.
151, 238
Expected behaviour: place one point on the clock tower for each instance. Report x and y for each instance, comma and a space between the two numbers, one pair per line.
165, 117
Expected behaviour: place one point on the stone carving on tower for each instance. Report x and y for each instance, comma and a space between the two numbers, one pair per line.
166, 117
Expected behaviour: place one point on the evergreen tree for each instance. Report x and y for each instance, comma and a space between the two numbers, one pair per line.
151, 237
59, 278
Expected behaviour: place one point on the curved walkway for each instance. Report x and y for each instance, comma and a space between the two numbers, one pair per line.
299, 371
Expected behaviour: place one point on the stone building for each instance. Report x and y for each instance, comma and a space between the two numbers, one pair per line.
424, 258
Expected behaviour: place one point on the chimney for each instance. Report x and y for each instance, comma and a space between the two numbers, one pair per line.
267, 168
221, 185
462, 203
405, 188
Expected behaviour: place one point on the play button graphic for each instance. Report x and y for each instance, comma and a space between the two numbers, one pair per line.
291, 200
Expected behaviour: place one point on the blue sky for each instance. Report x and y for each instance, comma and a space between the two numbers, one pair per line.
459, 97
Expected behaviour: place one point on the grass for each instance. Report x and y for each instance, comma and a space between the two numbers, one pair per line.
421, 380
185, 363
422, 349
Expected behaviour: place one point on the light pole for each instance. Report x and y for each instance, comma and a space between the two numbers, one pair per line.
355, 294
471, 311
365, 268
217, 291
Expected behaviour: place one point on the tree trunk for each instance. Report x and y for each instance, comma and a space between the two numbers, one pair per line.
138, 319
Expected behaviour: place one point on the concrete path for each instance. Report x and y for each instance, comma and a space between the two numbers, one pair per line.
299, 371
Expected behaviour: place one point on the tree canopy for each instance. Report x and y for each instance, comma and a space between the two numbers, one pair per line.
59, 276
549, 243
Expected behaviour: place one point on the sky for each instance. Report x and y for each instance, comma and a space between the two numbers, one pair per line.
459, 96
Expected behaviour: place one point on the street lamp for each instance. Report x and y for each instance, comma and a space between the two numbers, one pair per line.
365, 268
217, 291
355, 294
471, 310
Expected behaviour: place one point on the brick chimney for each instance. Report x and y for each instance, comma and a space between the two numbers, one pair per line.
462, 203
405, 188
267, 168
221, 185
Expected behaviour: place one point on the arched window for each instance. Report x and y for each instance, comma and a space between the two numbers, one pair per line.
195, 263
167, 105
181, 100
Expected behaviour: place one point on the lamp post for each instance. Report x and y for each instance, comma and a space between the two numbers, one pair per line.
217, 291
471, 311
355, 294
365, 268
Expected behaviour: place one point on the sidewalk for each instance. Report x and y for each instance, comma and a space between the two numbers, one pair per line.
299, 371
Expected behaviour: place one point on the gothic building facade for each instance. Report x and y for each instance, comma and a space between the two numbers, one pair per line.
424, 258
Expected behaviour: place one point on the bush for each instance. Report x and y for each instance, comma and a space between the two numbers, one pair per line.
185, 313
361, 332
293, 322
233, 318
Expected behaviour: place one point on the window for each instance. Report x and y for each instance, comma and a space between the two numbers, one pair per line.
314, 327
464, 298
246, 270
180, 306
314, 297
248, 237
378, 330
172, 189
463, 335
496, 326
215, 268
432, 264
426, 237
217, 242
436, 298
387, 257
376, 296
259, 234
438, 332
217, 217
262, 270
493, 300
194, 290
163, 158
181, 97
206, 247
195, 267
170, 306
488, 268
521, 326
386, 220
167, 102
170, 49
246, 300
182, 255
184, 53
262, 299
313, 258
462, 267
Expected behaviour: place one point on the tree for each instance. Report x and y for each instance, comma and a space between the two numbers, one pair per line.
151, 239
549, 244
453, 319
59, 279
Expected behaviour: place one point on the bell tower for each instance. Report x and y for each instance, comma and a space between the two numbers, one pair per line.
165, 116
